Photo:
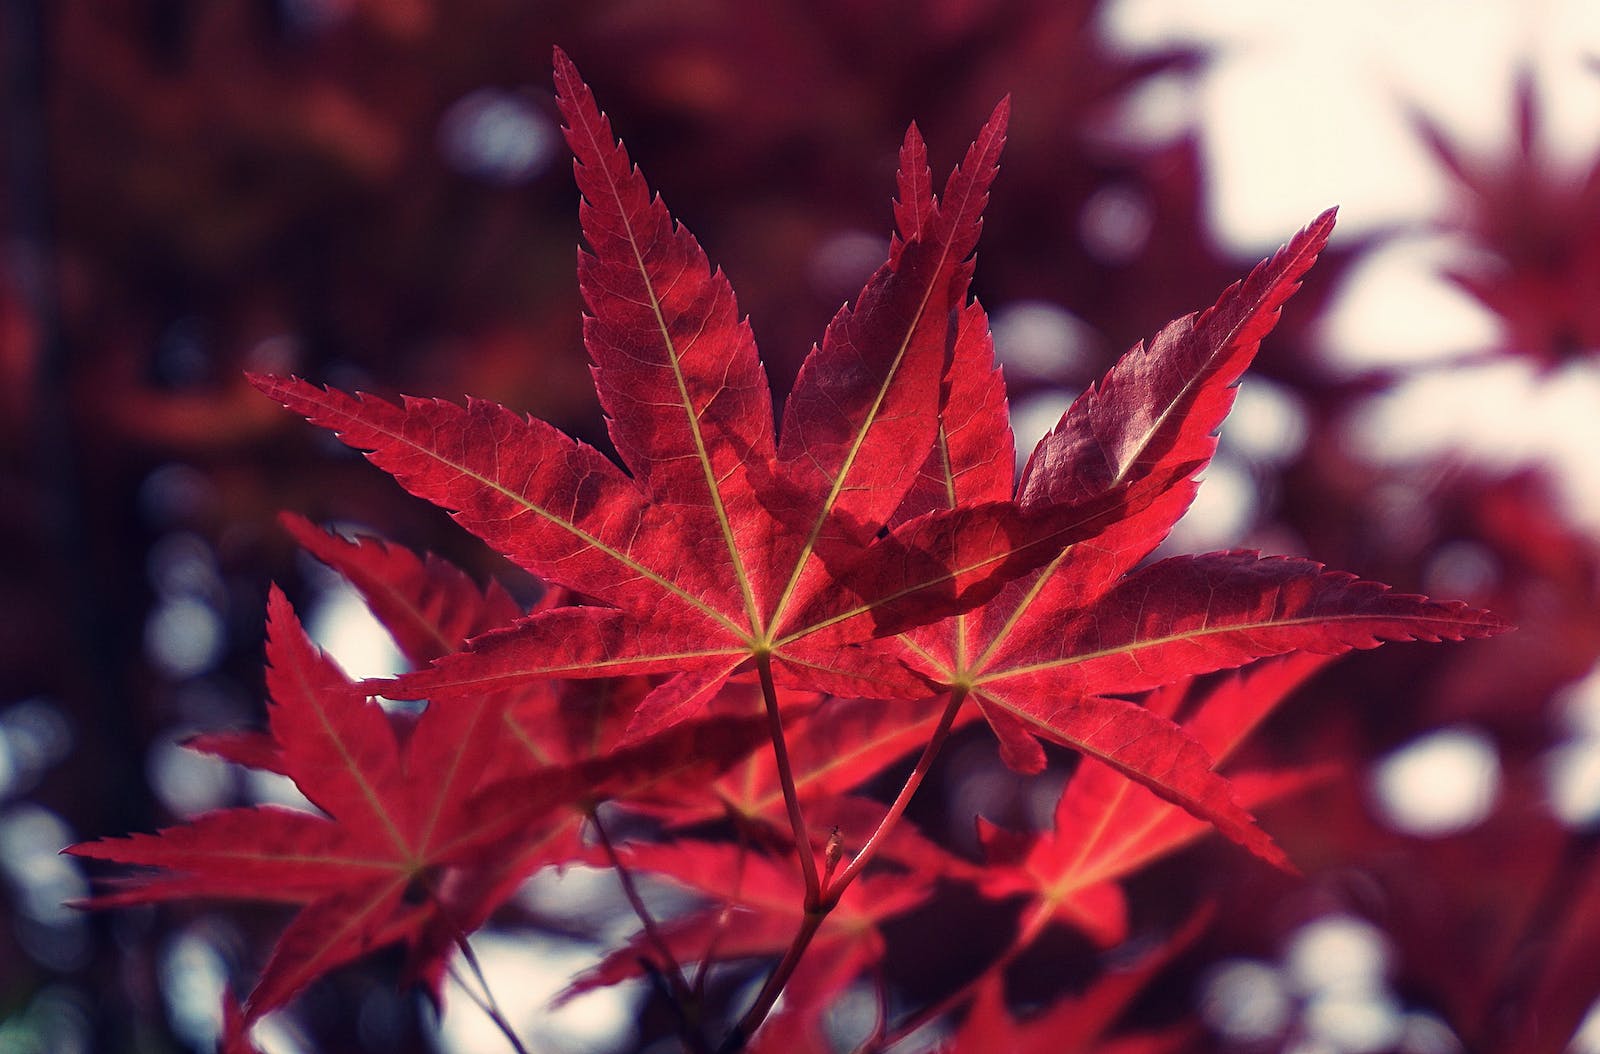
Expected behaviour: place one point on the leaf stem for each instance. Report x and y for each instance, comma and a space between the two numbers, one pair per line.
942, 732
819, 905
770, 991
673, 972
486, 1001
791, 797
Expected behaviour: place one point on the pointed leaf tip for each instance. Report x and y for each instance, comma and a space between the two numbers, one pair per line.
279, 610
1322, 227
562, 63
266, 383
1000, 116
569, 82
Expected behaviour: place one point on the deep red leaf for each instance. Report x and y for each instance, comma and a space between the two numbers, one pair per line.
1106, 827
723, 540
428, 605
1046, 655
396, 822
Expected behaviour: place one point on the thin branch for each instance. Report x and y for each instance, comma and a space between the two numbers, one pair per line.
818, 907
688, 1015
670, 974
770, 991
485, 1002
901, 801
652, 932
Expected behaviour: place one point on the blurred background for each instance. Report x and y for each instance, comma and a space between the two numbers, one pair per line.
374, 193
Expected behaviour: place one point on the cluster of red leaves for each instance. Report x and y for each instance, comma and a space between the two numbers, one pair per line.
1530, 225
752, 622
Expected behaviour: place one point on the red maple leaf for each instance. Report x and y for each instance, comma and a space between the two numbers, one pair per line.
1106, 827
401, 851
725, 546
1052, 654
429, 822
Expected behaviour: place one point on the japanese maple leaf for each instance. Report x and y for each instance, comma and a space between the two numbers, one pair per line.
725, 545
1051, 654
425, 830
1106, 826
391, 858
517, 737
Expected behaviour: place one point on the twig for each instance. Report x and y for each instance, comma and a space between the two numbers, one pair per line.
819, 905
672, 973
946, 721
770, 991
485, 1002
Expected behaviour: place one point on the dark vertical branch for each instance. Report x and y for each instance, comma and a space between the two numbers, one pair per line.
62, 515
88, 674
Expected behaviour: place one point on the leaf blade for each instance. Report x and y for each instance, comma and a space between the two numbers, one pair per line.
337, 744
869, 394
676, 370
1190, 615
552, 505
427, 605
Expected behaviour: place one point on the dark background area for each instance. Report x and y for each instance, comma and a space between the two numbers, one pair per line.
374, 194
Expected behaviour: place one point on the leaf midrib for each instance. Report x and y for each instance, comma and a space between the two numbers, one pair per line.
860, 437
368, 792
1207, 631
518, 499
685, 401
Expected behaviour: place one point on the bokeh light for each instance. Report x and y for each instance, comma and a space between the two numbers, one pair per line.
1441, 783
